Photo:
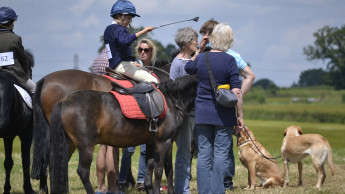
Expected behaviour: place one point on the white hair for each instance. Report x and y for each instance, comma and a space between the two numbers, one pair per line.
222, 37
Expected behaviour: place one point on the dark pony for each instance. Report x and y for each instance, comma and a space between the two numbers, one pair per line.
97, 119
50, 90
15, 120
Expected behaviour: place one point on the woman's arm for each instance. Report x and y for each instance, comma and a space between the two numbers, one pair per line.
191, 67
239, 110
248, 80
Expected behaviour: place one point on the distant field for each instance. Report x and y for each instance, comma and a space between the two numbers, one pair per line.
268, 133
315, 104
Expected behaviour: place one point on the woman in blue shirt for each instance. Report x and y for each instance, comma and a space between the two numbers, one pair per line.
215, 123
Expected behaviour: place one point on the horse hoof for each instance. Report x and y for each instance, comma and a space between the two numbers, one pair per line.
42, 192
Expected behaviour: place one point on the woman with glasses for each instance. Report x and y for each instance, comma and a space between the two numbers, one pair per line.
146, 52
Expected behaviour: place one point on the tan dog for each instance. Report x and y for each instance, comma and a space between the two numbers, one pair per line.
267, 170
296, 146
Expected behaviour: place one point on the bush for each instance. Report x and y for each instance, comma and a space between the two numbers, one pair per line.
255, 96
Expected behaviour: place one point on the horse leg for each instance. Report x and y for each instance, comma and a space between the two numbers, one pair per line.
169, 171
130, 182
43, 182
8, 164
26, 139
149, 168
85, 160
161, 149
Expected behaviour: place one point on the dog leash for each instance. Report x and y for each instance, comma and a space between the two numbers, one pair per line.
255, 145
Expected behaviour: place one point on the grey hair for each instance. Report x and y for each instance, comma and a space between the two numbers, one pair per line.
222, 37
151, 45
184, 36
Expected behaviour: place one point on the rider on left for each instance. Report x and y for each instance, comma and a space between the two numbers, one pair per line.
13, 60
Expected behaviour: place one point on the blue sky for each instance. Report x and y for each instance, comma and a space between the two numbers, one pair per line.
269, 34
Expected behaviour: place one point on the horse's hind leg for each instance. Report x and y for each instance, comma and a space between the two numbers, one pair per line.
43, 182
26, 146
169, 172
85, 160
8, 164
149, 167
161, 150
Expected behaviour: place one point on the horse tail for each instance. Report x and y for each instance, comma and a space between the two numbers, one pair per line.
58, 168
41, 136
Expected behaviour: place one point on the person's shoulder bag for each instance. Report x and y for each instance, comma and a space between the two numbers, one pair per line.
225, 97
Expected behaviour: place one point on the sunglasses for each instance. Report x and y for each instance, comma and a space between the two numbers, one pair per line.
146, 50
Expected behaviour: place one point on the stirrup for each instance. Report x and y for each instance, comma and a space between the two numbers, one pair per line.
154, 127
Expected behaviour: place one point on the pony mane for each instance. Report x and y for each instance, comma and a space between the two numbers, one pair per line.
183, 89
177, 85
163, 64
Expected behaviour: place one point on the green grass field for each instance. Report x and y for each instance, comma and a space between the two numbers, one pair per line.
268, 133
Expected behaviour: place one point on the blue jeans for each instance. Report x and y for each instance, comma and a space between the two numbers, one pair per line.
142, 164
213, 157
228, 184
126, 162
183, 155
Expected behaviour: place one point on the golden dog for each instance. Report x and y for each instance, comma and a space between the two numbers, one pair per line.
267, 170
296, 146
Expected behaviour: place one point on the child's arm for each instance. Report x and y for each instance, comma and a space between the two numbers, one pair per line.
144, 31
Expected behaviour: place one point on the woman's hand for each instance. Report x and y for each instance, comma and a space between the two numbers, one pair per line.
136, 64
240, 124
203, 42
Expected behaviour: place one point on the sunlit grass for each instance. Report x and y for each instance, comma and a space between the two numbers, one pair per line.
268, 133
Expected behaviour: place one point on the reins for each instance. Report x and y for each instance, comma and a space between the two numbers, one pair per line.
156, 68
254, 145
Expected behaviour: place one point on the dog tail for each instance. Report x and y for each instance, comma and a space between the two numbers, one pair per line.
330, 157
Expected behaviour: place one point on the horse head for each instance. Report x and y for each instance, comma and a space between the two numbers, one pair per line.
31, 62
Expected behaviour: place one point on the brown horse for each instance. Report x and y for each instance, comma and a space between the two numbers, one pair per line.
50, 90
86, 118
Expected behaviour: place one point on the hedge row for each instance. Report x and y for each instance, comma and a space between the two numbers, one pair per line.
272, 112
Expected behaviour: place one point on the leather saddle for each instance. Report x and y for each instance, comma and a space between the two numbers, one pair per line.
150, 100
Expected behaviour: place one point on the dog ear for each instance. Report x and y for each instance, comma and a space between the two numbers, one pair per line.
285, 132
299, 130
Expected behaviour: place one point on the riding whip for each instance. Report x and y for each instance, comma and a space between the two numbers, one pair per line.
196, 19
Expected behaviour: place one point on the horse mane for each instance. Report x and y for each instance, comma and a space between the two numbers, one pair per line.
182, 88
163, 64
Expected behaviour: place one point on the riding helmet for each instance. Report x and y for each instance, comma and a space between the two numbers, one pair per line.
7, 14
123, 7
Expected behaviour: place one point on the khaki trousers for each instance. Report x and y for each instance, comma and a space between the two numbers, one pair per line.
128, 69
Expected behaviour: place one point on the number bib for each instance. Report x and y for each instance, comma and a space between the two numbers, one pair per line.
6, 59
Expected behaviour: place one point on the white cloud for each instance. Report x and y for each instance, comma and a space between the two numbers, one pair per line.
91, 21
69, 40
81, 6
